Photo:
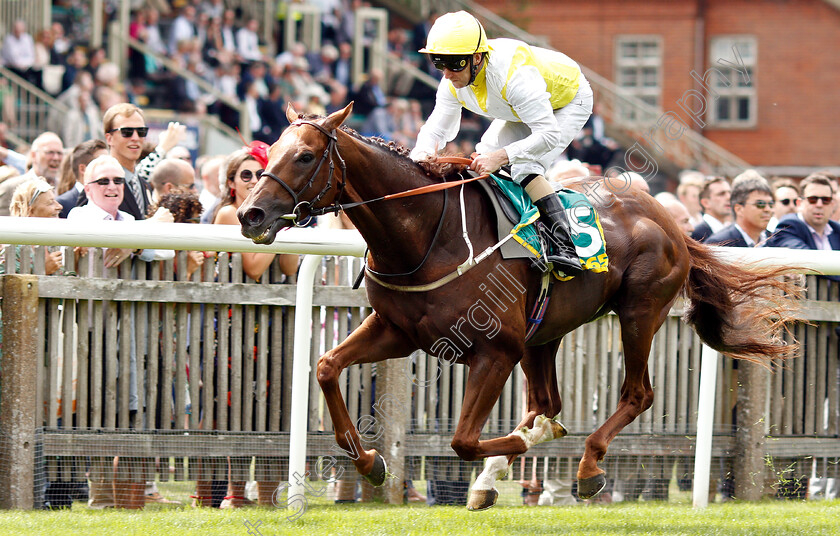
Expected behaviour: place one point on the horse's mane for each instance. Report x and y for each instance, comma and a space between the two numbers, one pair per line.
433, 169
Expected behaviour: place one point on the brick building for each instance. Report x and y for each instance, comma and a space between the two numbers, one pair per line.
774, 101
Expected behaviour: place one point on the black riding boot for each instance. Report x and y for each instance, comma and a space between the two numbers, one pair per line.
561, 250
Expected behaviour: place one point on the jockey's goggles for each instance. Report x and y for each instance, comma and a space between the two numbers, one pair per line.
456, 64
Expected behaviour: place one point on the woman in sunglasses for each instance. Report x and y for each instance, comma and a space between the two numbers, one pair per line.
237, 177
240, 176
538, 99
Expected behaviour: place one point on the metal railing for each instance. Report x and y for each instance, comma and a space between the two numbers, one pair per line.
204, 85
36, 13
32, 107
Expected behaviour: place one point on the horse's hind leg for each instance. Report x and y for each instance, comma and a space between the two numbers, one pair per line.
375, 340
543, 404
637, 330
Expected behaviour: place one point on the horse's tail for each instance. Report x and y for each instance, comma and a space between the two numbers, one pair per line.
742, 312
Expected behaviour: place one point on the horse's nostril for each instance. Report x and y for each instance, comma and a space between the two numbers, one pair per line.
254, 216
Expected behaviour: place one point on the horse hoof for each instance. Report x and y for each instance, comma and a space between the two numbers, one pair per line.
558, 429
592, 486
482, 499
377, 475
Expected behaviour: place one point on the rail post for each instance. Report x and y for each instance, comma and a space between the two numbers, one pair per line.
394, 408
17, 397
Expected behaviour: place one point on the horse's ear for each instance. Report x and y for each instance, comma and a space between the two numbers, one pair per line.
335, 119
291, 114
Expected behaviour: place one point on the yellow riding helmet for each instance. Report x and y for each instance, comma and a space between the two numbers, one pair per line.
456, 34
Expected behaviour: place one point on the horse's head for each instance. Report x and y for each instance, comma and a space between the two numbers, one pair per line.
301, 175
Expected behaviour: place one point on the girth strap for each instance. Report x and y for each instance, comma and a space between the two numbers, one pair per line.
540, 305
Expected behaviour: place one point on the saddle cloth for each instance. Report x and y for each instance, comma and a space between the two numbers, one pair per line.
516, 215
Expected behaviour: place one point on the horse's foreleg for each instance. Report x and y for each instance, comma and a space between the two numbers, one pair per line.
536, 426
375, 340
540, 373
542, 394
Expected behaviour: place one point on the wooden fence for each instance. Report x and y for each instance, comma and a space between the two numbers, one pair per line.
213, 359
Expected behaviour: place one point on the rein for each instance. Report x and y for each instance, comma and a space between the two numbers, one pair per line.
336, 207
424, 189
418, 191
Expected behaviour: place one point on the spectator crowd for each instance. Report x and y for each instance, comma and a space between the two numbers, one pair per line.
221, 46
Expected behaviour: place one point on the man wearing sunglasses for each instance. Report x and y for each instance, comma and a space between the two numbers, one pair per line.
104, 187
103, 183
786, 194
538, 99
752, 207
810, 227
125, 133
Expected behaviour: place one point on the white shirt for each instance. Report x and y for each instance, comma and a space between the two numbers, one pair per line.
748, 239
714, 223
92, 212
154, 40
19, 52
253, 113
207, 199
228, 38
182, 30
517, 83
248, 45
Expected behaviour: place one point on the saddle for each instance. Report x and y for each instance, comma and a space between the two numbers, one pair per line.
520, 219
507, 217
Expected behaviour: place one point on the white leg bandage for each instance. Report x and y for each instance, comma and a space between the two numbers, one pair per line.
542, 431
495, 468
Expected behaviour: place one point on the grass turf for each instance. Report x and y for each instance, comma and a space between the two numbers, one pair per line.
650, 518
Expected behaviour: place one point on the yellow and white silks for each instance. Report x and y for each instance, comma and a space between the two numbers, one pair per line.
538, 98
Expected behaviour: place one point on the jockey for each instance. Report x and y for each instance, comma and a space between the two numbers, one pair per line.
538, 99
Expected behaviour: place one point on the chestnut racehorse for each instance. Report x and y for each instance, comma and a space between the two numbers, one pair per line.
416, 242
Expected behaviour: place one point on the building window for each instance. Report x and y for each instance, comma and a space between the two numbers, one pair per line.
731, 81
638, 72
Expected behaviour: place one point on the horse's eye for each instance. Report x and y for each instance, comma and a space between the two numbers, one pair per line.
306, 158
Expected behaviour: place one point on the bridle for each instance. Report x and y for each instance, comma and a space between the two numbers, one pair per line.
332, 147
336, 206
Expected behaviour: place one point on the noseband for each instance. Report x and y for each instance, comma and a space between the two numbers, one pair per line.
332, 147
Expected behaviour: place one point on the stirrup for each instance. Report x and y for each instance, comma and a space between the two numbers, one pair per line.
566, 265
569, 264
